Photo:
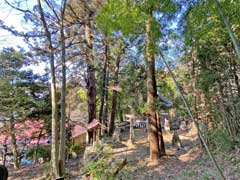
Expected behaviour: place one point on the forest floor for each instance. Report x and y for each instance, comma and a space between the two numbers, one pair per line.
187, 163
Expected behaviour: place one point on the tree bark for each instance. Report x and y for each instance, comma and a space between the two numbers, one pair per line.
104, 79
114, 97
55, 134
91, 87
151, 94
63, 97
120, 111
105, 107
160, 136
225, 111
36, 150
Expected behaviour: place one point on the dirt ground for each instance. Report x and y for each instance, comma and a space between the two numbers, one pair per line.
187, 163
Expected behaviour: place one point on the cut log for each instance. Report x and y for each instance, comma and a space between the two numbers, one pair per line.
120, 167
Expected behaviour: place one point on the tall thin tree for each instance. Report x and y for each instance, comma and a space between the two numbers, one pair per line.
55, 134
63, 92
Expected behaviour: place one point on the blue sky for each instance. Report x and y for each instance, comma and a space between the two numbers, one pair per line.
13, 18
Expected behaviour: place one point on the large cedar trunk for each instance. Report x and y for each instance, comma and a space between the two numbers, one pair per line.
91, 94
105, 107
151, 95
104, 83
90, 81
14, 144
114, 97
111, 126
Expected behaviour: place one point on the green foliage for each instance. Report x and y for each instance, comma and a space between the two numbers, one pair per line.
144, 108
126, 174
76, 150
15, 99
130, 17
133, 85
82, 94
220, 140
213, 64
189, 174
120, 15
101, 168
207, 80
23, 94
42, 151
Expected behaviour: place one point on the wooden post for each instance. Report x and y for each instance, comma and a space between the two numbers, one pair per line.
131, 135
98, 131
148, 128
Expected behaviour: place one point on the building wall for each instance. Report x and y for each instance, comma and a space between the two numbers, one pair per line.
80, 139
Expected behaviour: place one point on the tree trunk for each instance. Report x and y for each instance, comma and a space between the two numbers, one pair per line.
224, 111
4, 153
36, 150
91, 87
114, 97
151, 94
105, 107
63, 98
104, 79
194, 90
55, 133
120, 111
229, 29
55, 145
233, 70
160, 136
14, 144
234, 120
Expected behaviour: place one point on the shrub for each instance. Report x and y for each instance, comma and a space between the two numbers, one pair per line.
43, 152
76, 150
220, 140
100, 169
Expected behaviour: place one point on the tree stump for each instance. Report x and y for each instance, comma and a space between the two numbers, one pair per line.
117, 135
176, 139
